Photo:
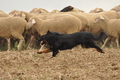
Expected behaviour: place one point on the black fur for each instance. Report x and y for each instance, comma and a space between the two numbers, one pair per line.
66, 9
58, 41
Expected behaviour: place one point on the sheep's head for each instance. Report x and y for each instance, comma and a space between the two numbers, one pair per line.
116, 8
30, 23
13, 12
98, 19
19, 14
96, 10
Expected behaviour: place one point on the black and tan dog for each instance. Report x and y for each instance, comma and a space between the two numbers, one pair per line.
58, 41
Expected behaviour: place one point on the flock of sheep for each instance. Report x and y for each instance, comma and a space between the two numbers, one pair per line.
27, 26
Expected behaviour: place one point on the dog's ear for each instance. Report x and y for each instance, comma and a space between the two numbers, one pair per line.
48, 32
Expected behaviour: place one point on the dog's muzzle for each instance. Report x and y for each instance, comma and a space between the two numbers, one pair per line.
43, 42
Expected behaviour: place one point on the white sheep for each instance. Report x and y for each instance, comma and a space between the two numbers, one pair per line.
96, 28
110, 26
27, 16
38, 11
116, 8
12, 27
96, 10
60, 23
64, 24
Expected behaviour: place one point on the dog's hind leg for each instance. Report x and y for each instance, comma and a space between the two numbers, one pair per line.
55, 52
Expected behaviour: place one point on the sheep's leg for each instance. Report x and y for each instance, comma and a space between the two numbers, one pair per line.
20, 44
31, 40
21, 40
8, 41
106, 42
20, 37
41, 48
117, 41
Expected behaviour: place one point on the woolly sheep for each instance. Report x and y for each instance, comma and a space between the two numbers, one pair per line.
55, 11
110, 26
3, 14
27, 15
13, 12
116, 8
12, 27
63, 24
96, 28
33, 31
84, 20
38, 11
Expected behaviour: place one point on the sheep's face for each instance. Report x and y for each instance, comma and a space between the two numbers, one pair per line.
97, 10
116, 8
19, 14
98, 19
31, 23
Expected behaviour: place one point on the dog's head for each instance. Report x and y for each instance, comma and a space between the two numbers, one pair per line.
42, 40
48, 38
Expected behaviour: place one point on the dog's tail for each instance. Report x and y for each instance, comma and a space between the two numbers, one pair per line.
98, 37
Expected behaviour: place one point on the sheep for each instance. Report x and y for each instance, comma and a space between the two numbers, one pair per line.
32, 32
110, 26
84, 20
116, 8
27, 15
13, 12
55, 11
38, 11
3, 14
96, 28
64, 24
12, 27
96, 10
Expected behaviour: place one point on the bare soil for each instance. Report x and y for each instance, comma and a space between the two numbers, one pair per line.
75, 64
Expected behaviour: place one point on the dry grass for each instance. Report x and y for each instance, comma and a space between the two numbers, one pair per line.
76, 64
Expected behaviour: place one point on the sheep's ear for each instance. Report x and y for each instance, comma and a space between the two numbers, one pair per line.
33, 21
23, 15
101, 17
98, 10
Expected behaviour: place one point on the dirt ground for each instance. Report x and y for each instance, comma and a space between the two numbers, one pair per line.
75, 64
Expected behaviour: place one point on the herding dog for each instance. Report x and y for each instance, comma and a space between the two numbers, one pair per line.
59, 41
